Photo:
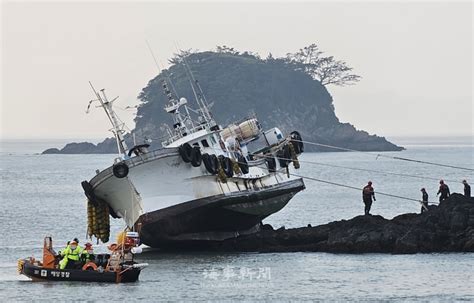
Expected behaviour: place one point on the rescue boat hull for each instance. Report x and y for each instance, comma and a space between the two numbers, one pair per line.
38, 273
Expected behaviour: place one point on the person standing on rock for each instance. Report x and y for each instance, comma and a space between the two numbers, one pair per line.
424, 200
467, 189
443, 190
367, 194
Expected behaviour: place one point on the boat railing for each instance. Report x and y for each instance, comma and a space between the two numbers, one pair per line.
134, 161
204, 125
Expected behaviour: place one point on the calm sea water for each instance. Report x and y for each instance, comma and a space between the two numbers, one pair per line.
41, 195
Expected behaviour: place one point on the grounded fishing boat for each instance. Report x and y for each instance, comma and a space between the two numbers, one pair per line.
117, 267
207, 183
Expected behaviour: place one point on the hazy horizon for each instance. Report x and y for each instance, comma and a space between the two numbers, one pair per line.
415, 58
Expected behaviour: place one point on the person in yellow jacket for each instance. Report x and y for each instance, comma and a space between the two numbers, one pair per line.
72, 252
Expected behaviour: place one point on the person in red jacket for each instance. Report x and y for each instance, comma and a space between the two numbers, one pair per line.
443, 190
368, 194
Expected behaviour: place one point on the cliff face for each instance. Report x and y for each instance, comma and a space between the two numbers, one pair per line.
239, 85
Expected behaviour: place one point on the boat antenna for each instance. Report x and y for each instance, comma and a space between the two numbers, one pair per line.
117, 124
203, 107
173, 104
201, 92
162, 70
201, 95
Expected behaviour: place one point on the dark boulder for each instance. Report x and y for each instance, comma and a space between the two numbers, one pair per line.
448, 227
51, 151
108, 146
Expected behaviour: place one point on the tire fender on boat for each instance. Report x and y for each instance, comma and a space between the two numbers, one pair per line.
120, 170
297, 142
185, 152
284, 156
196, 157
210, 162
244, 166
226, 164
271, 163
89, 192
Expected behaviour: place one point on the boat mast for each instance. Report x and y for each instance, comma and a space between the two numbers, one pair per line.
200, 99
117, 124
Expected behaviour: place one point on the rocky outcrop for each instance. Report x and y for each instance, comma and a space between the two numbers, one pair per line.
239, 85
448, 227
108, 146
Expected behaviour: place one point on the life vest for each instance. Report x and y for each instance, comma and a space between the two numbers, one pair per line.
73, 254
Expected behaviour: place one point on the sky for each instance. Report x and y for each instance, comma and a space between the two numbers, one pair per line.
415, 59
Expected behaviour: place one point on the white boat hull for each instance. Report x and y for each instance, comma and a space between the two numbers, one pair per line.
173, 201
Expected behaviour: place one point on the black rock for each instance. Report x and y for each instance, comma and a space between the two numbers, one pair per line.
51, 151
446, 228
108, 146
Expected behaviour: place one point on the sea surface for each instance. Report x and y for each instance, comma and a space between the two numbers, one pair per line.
41, 195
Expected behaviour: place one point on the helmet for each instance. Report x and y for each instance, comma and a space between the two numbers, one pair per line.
423, 189
370, 183
464, 181
88, 245
75, 239
441, 182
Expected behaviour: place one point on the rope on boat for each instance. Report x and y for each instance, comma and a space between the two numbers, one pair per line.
340, 184
384, 156
370, 170
351, 187
358, 189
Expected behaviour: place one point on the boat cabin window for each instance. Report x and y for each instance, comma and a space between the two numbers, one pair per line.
204, 143
196, 144
213, 140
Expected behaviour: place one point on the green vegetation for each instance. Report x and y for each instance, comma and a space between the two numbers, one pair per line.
289, 93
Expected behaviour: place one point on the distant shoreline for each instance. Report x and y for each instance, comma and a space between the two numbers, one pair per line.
431, 140
36, 146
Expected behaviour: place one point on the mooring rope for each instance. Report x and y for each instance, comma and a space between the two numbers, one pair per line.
369, 170
349, 186
384, 156
335, 183
357, 188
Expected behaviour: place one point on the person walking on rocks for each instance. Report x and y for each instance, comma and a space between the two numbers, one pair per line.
443, 190
367, 195
467, 189
424, 200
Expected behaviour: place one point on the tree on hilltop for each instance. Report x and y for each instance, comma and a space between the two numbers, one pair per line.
326, 70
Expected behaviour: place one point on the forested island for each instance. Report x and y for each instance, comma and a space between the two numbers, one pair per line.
289, 92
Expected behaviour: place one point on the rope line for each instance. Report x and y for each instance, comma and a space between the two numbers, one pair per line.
368, 170
352, 187
384, 156
339, 184
356, 188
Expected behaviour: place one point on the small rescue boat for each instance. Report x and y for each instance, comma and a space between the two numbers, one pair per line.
118, 266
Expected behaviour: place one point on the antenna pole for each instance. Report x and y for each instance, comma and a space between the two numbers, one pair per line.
162, 70
114, 120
